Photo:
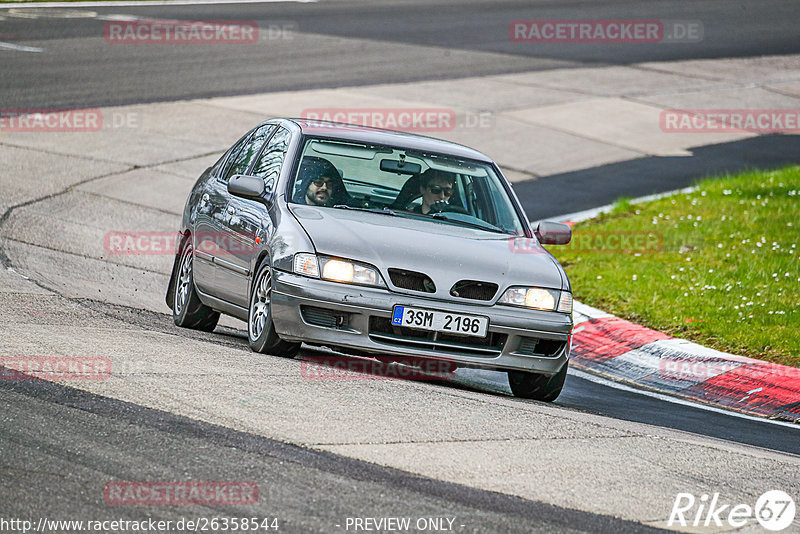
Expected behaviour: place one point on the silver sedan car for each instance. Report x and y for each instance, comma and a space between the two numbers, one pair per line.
374, 242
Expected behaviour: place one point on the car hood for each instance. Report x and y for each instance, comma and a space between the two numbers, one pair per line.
445, 252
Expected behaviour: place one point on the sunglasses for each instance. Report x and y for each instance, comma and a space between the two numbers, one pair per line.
437, 189
320, 183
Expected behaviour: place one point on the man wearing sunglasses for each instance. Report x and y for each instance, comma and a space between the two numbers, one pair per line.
436, 188
320, 183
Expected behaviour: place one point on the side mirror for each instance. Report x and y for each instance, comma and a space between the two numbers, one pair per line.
553, 233
245, 186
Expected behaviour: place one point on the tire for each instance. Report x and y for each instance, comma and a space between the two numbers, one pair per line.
187, 310
261, 333
536, 386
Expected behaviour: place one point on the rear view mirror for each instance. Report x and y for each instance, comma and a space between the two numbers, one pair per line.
553, 233
400, 166
244, 186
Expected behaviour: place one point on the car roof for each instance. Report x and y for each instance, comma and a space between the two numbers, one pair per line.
364, 134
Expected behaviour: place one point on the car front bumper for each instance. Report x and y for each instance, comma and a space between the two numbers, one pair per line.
355, 317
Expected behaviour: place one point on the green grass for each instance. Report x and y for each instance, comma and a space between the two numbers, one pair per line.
718, 266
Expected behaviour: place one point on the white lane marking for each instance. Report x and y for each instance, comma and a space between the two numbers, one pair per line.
118, 18
19, 48
591, 213
33, 12
148, 3
675, 400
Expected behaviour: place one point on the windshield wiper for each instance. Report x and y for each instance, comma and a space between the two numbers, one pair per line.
382, 211
483, 225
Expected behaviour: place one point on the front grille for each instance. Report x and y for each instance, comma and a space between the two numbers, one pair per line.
540, 347
473, 289
382, 330
412, 280
323, 317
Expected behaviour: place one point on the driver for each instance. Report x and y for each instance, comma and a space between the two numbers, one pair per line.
320, 183
436, 188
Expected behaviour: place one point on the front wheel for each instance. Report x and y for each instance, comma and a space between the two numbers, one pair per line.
261, 333
187, 310
537, 386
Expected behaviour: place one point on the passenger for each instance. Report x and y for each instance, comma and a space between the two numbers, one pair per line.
319, 184
436, 188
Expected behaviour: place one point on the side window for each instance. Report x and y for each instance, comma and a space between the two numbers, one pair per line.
240, 160
218, 165
269, 164
232, 153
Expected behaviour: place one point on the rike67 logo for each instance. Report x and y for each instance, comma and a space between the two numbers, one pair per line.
774, 511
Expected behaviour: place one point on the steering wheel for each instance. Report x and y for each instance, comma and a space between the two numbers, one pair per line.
444, 207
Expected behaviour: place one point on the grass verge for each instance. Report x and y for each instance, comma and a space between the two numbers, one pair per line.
718, 266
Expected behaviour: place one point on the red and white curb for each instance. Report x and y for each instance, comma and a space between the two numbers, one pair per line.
623, 351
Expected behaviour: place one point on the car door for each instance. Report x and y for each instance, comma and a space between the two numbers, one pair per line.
208, 220
235, 247
249, 219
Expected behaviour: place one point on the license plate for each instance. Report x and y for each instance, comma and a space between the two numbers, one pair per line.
438, 321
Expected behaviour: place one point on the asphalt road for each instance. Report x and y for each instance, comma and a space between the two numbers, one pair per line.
333, 44
60, 473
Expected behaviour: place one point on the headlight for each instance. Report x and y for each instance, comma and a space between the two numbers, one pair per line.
538, 298
337, 270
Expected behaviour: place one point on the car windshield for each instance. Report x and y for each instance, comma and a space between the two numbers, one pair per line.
403, 182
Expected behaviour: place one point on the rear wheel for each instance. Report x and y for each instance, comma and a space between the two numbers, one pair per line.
187, 310
261, 333
537, 386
